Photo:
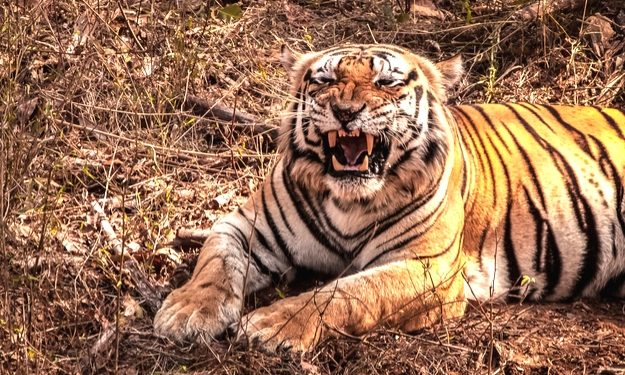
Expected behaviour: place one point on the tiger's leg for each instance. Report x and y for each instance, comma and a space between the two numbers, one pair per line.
406, 294
213, 298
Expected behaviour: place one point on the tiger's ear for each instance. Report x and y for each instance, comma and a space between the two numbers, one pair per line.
451, 70
287, 57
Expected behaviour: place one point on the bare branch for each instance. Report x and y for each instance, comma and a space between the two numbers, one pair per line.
534, 10
130, 265
240, 119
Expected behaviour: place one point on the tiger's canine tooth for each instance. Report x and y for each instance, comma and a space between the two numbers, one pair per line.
336, 164
365, 164
332, 138
369, 143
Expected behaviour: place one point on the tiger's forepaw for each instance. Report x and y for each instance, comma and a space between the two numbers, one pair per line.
196, 313
292, 323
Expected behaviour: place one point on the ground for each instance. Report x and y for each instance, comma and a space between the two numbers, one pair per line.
96, 104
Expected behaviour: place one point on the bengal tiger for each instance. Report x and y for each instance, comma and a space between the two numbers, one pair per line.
414, 206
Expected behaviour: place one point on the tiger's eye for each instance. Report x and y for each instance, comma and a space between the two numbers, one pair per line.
322, 80
384, 82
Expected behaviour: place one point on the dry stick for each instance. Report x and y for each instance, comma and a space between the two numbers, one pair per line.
100, 351
173, 151
190, 237
149, 293
532, 11
239, 119
134, 36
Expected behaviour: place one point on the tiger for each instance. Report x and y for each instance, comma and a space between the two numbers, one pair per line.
412, 206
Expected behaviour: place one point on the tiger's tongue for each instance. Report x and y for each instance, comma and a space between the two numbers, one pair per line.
353, 147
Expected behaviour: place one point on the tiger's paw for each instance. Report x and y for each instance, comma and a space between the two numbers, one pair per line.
197, 313
293, 323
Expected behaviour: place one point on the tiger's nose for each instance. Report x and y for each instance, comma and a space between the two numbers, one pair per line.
345, 115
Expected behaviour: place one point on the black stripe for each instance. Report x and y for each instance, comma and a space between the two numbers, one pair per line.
540, 232
306, 153
383, 55
610, 170
404, 211
476, 130
306, 132
400, 214
611, 122
411, 77
514, 273
547, 247
488, 161
437, 212
502, 160
553, 263
581, 207
328, 226
587, 224
419, 257
471, 149
275, 276
326, 222
284, 248
418, 92
534, 111
239, 237
306, 217
442, 147
614, 246
433, 151
578, 137
272, 182
524, 154
307, 75
481, 154
614, 285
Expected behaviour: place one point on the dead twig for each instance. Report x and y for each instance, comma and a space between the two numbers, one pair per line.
151, 296
188, 238
239, 119
533, 11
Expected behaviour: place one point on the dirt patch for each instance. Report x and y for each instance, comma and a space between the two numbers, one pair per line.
94, 108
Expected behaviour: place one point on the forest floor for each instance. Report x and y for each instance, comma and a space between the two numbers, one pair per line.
97, 127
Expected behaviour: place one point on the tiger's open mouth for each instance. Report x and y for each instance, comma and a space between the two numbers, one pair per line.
354, 153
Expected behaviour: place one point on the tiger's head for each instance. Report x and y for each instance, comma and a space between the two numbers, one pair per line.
365, 121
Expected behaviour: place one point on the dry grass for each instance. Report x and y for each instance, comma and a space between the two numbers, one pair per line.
92, 95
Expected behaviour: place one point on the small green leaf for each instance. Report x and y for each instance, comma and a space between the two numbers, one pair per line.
525, 280
230, 12
466, 5
280, 293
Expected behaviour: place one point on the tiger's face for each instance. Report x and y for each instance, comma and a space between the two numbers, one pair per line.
362, 117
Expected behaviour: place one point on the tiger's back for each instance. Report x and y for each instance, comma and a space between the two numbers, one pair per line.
544, 199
